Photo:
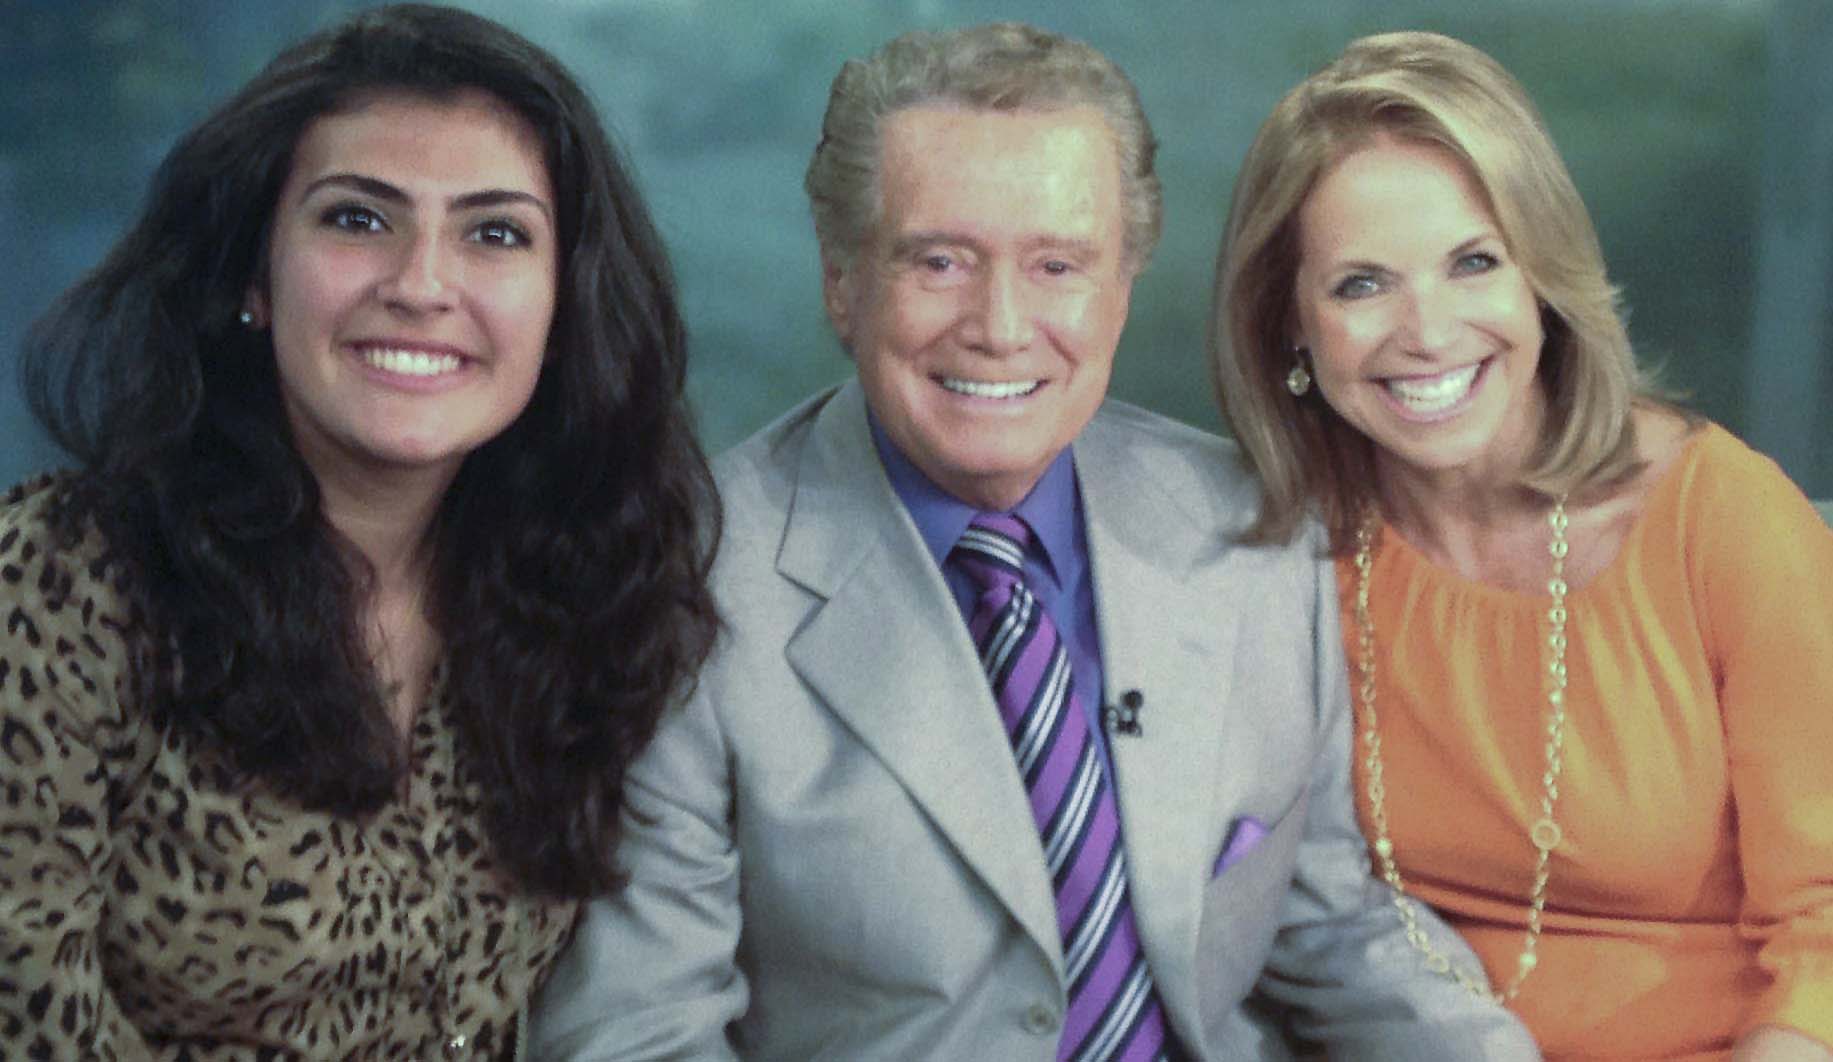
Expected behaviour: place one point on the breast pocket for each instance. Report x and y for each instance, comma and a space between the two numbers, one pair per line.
1241, 908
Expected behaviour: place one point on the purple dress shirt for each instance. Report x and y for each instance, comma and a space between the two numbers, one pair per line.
1056, 567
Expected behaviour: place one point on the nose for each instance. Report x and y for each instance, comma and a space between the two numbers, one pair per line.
420, 280
1431, 323
999, 321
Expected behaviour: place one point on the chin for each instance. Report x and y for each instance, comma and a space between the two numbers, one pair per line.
1437, 459
410, 455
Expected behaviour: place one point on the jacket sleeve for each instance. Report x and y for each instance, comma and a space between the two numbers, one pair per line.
651, 971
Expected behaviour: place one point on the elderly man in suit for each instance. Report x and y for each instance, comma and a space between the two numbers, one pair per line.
1009, 751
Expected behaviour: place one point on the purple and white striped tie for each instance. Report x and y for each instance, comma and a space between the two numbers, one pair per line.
1114, 1012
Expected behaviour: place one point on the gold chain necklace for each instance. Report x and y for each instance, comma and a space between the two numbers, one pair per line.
1544, 834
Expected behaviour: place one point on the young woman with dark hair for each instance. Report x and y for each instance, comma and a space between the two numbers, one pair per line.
385, 552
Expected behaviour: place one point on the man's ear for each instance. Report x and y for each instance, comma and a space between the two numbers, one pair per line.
837, 296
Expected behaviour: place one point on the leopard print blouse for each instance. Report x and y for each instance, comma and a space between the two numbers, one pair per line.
150, 910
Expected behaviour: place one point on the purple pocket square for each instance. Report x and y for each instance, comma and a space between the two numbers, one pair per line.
1244, 836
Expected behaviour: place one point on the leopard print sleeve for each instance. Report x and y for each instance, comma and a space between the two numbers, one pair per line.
65, 739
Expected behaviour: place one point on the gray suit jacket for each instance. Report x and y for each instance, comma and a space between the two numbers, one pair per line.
830, 851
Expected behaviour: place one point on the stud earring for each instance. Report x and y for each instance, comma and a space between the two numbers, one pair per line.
247, 317
1298, 381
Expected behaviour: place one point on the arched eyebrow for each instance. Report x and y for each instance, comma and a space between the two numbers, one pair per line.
498, 197
1363, 265
1358, 265
388, 193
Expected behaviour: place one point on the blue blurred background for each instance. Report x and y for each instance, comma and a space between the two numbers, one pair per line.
1699, 131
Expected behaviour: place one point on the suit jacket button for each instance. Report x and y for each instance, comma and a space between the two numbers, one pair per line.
1040, 1019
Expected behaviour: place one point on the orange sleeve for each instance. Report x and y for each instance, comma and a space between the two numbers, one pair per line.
1761, 563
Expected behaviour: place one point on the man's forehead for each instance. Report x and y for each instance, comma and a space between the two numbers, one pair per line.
944, 124
1036, 175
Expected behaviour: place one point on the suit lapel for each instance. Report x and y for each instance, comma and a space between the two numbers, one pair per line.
1144, 548
888, 654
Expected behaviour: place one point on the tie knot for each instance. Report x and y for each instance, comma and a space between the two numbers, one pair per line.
992, 549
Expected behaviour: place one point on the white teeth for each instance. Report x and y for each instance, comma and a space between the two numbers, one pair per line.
985, 389
411, 362
1433, 394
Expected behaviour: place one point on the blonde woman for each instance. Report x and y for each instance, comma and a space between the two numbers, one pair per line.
1588, 633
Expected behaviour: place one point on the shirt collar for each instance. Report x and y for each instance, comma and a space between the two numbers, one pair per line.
940, 517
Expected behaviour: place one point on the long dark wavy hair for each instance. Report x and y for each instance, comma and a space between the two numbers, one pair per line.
570, 554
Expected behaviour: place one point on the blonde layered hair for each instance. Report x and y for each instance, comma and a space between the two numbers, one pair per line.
1432, 89
1004, 66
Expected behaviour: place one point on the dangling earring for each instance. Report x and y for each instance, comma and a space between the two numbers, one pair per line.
247, 317
1298, 381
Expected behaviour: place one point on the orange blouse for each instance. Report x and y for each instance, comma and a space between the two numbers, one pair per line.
1692, 894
